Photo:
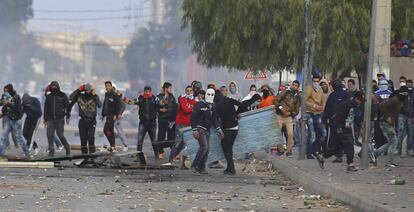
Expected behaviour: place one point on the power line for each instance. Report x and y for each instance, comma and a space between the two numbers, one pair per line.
125, 9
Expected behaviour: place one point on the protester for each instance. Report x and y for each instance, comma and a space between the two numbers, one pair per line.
111, 110
186, 103
197, 86
252, 91
55, 111
410, 134
147, 104
14, 111
381, 95
88, 103
250, 104
410, 84
314, 108
389, 111
338, 116
118, 125
234, 92
287, 105
167, 113
202, 118
59, 145
224, 91
226, 110
352, 89
32, 109
6, 142
402, 123
326, 88
268, 97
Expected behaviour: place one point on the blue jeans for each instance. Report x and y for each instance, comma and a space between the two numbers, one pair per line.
391, 135
200, 160
14, 126
7, 141
403, 131
316, 133
179, 144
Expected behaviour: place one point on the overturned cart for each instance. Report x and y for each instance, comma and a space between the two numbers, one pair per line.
94, 160
257, 131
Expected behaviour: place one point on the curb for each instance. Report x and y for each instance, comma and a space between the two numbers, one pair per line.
315, 184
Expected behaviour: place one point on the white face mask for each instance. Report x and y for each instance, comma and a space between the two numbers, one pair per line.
316, 86
403, 84
210, 93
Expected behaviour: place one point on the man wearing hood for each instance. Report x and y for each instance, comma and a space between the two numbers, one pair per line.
234, 92
252, 91
338, 116
147, 104
88, 103
203, 117
55, 110
268, 97
314, 107
13, 109
326, 88
32, 109
389, 111
352, 89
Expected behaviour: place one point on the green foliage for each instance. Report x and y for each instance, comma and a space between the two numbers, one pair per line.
269, 34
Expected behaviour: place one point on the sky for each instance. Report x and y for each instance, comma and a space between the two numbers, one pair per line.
102, 17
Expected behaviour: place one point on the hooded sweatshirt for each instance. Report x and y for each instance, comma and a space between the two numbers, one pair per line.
336, 106
235, 94
56, 104
14, 108
185, 108
34, 111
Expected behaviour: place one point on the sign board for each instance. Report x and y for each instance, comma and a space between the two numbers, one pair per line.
257, 131
251, 75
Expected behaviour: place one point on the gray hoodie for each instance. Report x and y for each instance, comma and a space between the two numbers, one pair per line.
235, 94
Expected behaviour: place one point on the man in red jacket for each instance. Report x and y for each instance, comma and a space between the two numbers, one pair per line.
185, 108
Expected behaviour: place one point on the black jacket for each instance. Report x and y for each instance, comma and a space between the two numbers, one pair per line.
87, 104
14, 109
225, 108
170, 104
34, 111
111, 105
56, 106
204, 116
147, 108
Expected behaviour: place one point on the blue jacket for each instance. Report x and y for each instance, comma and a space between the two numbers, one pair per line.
33, 111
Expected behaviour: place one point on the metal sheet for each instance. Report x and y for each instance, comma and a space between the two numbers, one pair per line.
257, 131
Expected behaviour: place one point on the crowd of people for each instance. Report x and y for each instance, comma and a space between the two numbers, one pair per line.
402, 48
334, 119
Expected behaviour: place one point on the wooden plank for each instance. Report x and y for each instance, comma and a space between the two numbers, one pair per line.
41, 165
257, 131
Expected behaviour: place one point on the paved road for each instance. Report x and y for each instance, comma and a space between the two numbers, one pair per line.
257, 188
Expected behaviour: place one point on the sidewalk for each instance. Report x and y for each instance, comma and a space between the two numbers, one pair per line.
365, 190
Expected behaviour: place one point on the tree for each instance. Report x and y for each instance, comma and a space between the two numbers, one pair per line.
268, 34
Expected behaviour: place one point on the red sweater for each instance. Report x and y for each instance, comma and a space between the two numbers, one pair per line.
185, 109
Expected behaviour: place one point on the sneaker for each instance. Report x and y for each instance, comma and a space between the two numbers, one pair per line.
203, 172
195, 171
35, 151
321, 161
337, 160
351, 168
167, 164
228, 172
391, 165
373, 158
215, 166
59, 148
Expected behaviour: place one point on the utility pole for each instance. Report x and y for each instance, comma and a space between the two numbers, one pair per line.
368, 90
305, 72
